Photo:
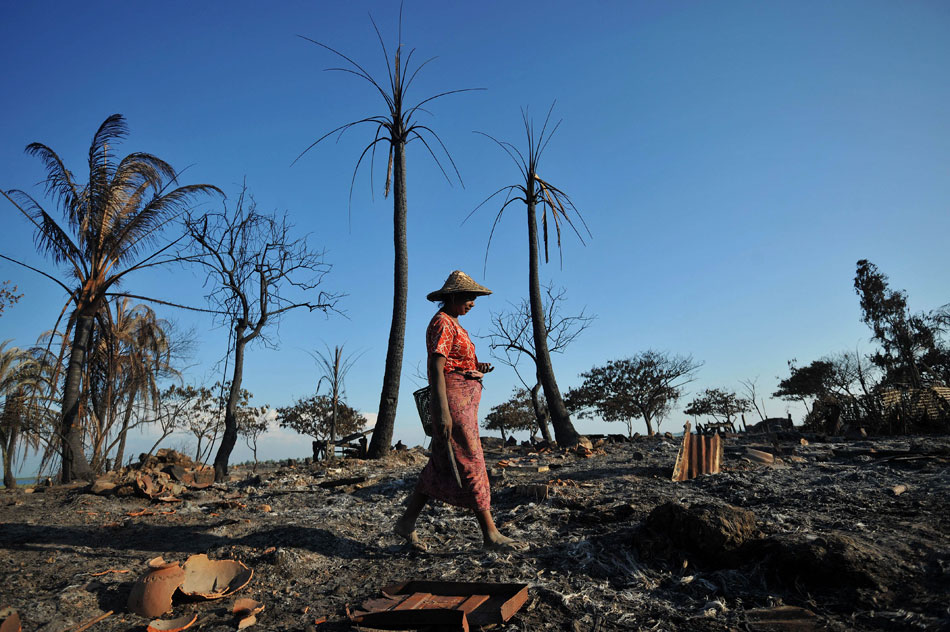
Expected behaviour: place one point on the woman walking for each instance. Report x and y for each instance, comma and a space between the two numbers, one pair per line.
455, 473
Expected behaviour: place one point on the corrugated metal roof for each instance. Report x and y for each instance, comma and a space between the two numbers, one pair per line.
699, 454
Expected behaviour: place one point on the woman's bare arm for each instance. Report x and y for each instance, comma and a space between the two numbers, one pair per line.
437, 389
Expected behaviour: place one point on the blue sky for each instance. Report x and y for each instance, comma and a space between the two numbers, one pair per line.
733, 161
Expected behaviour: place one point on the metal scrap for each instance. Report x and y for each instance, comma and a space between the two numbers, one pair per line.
698, 455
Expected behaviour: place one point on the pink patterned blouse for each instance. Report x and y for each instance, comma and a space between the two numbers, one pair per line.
447, 338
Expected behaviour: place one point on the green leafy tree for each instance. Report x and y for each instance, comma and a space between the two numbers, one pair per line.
396, 128
313, 416
514, 415
806, 383
534, 191
905, 338
112, 223
645, 386
723, 406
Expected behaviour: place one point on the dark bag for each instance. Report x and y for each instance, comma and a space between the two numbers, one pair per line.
422, 405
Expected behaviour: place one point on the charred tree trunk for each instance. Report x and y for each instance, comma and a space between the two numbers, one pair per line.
9, 433
564, 430
336, 394
389, 397
649, 423
539, 413
74, 463
120, 451
229, 438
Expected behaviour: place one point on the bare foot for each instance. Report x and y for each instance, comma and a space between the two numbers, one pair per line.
498, 542
410, 536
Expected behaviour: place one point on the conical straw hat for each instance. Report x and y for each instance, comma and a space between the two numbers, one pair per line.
458, 281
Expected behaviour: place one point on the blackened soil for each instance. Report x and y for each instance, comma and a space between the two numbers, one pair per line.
854, 534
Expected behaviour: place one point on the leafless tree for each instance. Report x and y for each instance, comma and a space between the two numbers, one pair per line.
751, 392
256, 272
252, 427
511, 338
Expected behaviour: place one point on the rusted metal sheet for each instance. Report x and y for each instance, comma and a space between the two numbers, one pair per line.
699, 454
453, 604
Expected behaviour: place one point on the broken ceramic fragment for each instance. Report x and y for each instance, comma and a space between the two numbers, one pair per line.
151, 595
9, 620
246, 611
172, 625
213, 579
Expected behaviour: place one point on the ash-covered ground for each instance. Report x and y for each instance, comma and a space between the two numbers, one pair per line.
853, 535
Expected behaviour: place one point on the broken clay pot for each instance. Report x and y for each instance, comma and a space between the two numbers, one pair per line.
213, 579
9, 620
151, 595
172, 625
246, 611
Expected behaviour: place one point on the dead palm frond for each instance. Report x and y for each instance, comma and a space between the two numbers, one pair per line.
398, 125
110, 227
535, 190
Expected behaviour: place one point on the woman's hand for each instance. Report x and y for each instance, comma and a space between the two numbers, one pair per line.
446, 426
485, 367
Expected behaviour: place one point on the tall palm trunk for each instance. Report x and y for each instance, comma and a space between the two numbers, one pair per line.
389, 397
336, 398
9, 433
75, 466
229, 438
564, 430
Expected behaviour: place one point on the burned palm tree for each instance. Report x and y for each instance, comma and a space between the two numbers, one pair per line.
397, 128
111, 221
334, 367
535, 191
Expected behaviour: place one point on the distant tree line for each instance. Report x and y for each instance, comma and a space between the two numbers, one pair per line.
903, 385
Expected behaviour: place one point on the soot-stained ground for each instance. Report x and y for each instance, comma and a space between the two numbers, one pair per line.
835, 534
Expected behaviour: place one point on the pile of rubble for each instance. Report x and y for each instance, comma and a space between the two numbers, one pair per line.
163, 476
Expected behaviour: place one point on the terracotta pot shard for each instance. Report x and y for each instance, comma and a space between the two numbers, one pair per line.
9, 620
246, 611
172, 625
151, 595
213, 579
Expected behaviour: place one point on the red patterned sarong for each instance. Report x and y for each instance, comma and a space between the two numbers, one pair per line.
437, 479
